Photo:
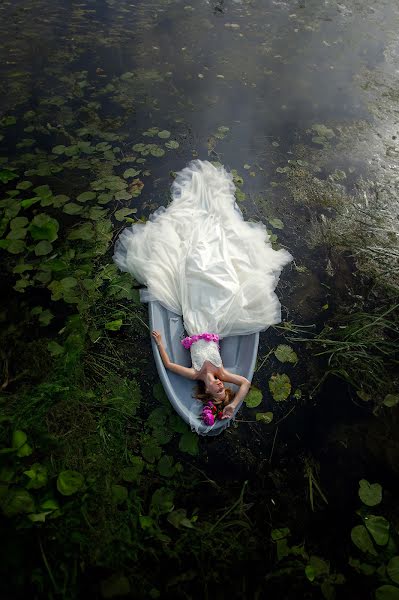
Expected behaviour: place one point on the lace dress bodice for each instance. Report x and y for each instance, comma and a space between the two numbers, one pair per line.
202, 351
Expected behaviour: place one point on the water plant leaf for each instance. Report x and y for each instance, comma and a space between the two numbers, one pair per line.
172, 144
189, 443
115, 586
285, 353
162, 501
393, 569
362, 540
19, 442
391, 400
69, 482
18, 222
37, 475
157, 151
85, 196
280, 534
43, 227
266, 417
178, 518
55, 349
150, 450
17, 501
387, 592
280, 386
42, 248
82, 232
14, 246
124, 212
131, 173
7, 175
370, 493
114, 325
24, 185
276, 223
72, 208
165, 466
164, 134
379, 528
254, 397
119, 493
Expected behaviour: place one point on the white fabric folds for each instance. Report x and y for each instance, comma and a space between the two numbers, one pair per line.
200, 259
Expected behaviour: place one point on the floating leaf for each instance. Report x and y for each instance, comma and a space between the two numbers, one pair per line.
7, 175
115, 586
119, 493
43, 227
393, 569
42, 248
55, 349
254, 397
280, 386
131, 173
157, 151
69, 482
379, 528
387, 592
178, 518
172, 144
37, 475
285, 354
165, 466
391, 400
276, 223
370, 494
162, 501
72, 208
85, 196
17, 501
19, 442
82, 232
362, 540
124, 212
60, 149
13, 246
266, 417
164, 134
114, 325
189, 443
24, 185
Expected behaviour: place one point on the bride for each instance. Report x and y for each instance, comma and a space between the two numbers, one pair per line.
201, 260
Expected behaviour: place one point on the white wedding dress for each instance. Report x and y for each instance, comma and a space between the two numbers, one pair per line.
200, 259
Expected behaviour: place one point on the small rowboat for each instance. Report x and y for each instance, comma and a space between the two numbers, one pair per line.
238, 355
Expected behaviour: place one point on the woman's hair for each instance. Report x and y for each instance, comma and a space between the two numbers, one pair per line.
205, 397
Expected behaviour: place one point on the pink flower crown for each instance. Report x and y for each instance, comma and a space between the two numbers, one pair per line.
208, 337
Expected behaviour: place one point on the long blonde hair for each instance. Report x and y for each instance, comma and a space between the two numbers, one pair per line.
205, 397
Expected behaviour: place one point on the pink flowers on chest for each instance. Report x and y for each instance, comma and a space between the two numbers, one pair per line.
208, 337
210, 413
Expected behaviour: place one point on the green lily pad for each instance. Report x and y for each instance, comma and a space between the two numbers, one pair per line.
362, 540
19, 442
119, 493
131, 173
280, 386
157, 151
189, 443
37, 475
370, 493
114, 325
69, 482
7, 175
266, 417
387, 592
254, 397
124, 212
42, 248
24, 185
164, 134
379, 528
285, 354
178, 518
276, 223
55, 349
391, 400
172, 144
43, 227
166, 466
393, 569
82, 232
17, 501
85, 196
162, 501
72, 208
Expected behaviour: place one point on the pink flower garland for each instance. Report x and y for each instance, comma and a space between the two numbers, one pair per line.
208, 337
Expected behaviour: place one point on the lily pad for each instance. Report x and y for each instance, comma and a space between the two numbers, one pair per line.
391, 400
166, 466
124, 212
83, 232
285, 354
69, 482
131, 173
276, 223
43, 227
172, 144
164, 134
157, 151
266, 417
379, 528
280, 386
189, 443
42, 248
254, 397
362, 540
370, 493
393, 569
387, 592
85, 196
72, 208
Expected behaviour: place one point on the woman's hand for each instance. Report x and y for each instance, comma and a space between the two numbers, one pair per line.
157, 337
228, 411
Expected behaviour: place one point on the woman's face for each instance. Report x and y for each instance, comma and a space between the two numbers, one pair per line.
216, 388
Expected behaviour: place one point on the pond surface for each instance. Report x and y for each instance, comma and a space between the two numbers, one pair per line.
297, 98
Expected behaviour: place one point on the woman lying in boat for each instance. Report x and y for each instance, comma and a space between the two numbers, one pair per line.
208, 370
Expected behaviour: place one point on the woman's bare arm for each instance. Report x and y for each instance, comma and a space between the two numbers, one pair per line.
188, 372
228, 410
232, 377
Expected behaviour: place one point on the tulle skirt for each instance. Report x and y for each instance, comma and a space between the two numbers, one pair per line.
200, 259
